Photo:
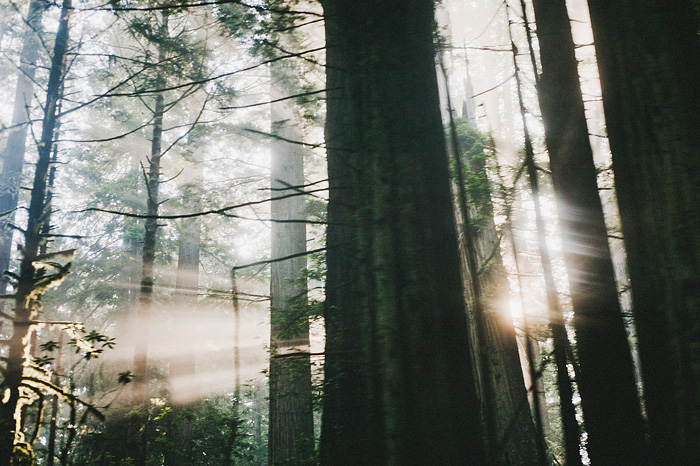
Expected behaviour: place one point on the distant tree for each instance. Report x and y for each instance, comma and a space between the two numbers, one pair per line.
13, 155
649, 60
182, 365
400, 382
291, 436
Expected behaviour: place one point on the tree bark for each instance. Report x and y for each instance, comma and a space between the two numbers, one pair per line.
412, 359
649, 59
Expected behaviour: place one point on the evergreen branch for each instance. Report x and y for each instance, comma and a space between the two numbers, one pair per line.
173, 6
108, 93
8, 212
213, 78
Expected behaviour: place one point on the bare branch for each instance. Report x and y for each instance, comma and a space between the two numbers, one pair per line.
221, 211
282, 99
279, 259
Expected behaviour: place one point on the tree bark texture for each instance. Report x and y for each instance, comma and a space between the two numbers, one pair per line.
649, 59
291, 435
606, 376
27, 293
395, 310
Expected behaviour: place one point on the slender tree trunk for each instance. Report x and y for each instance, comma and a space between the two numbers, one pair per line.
27, 295
557, 323
606, 376
13, 155
384, 130
649, 59
291, 435
140, 384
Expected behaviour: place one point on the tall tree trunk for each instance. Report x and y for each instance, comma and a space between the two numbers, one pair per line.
557, 324
291, 436
606, 376
28, 294
384, 131
143, 318
13, 155
649, 59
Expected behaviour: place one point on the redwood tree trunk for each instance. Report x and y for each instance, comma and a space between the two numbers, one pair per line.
385, 132
649, 59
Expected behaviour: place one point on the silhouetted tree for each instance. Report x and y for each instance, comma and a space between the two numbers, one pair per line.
649, 60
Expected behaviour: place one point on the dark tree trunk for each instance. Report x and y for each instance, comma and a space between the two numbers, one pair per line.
351, 427
291, 436
13, 155
27, 295
606, 375
649, 60
414, 383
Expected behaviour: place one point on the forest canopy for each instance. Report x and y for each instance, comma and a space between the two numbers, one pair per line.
291, 232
